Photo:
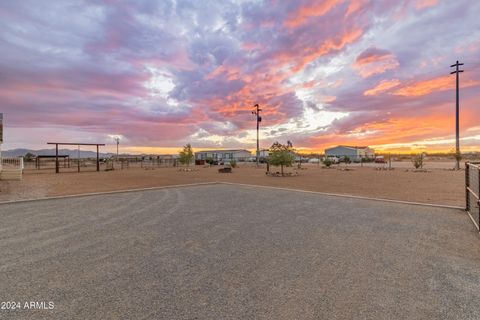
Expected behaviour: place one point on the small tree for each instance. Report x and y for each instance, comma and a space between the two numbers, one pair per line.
29, 156
327, 162
417, 161
281, 155
186, 155
300, 158
347, 160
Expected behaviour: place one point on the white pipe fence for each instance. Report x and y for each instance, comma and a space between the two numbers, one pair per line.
12, 163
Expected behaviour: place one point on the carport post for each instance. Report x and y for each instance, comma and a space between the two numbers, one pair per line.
56, 159
98, 160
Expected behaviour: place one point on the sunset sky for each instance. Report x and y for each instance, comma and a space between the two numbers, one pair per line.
161, 74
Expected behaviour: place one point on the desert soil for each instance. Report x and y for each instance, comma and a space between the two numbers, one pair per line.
437, 186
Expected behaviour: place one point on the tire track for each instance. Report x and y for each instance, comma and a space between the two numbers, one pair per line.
29, 234
96, 230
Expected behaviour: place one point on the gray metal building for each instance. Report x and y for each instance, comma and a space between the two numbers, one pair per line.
353, 152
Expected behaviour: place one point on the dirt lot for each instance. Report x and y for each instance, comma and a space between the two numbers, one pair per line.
436, 186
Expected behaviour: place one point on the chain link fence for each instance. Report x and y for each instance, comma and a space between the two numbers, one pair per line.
472, 191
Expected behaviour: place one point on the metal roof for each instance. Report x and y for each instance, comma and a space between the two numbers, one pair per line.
218, 151
350, 147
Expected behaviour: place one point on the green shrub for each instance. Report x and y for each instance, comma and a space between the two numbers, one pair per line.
233, 164
327, 162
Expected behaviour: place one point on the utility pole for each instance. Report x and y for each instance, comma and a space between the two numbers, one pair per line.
256, 112
457, 112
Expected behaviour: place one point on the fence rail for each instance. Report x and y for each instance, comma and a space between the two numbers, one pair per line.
472, 192
12, 163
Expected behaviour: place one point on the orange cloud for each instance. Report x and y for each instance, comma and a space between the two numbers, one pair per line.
328, 46
231, 72
421, 4
421, 88
382, 86
354, 6
402, 130
307, 11
374, 61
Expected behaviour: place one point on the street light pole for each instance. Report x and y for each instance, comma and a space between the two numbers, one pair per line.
256, 112
117, 140
457, 113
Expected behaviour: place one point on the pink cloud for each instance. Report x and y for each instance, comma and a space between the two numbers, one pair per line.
374, 61
384, 85
424, 87
422, 4
304, 12
354, 6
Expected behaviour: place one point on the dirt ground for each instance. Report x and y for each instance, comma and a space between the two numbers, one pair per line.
437, 186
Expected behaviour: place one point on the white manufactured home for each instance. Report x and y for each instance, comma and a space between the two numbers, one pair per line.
354, 153
224, 155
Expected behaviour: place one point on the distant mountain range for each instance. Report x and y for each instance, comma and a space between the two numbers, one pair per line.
51, 152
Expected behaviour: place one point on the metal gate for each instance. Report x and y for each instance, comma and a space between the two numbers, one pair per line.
472, 191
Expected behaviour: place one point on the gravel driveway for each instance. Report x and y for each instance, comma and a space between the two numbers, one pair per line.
236, 252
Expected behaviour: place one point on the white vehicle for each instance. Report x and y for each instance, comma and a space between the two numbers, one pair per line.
333, 159
314, 160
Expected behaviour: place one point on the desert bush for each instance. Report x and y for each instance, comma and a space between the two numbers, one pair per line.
327, 162
233, 164
417, 161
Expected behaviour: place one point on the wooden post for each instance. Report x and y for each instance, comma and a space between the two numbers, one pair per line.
57, 170
98, 160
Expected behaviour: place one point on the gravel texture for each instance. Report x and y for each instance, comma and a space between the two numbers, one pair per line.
236, 252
